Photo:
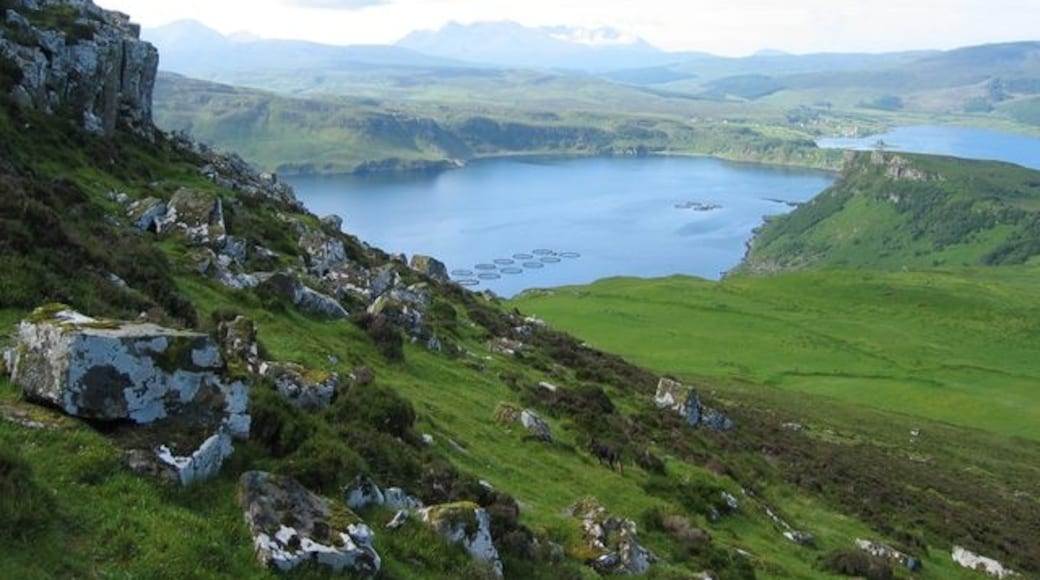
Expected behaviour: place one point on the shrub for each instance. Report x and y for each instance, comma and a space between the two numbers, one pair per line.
324, 464
380, 408
276, 425
853, 562
384, 334
390, 460
25, 508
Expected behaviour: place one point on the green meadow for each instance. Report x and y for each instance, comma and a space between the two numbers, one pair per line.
954, 346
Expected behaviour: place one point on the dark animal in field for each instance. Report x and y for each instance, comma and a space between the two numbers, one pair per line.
607, 454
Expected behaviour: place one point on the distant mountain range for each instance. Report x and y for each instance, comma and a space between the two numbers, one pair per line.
190, 48
512, 45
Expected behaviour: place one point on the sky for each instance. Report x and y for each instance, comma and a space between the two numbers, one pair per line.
725, 27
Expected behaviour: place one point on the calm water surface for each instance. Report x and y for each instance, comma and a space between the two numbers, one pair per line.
566, 221
956, 141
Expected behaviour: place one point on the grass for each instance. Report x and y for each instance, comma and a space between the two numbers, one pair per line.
877, 339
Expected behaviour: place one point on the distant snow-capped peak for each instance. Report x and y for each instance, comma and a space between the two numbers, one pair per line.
602, 36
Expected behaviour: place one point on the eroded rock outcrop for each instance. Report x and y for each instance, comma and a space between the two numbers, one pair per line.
75, 56
684, 400
306, 299
431, 267
467, 524
292, 526
614, 538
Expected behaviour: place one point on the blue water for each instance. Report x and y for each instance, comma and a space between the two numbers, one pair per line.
599, 217
954, 141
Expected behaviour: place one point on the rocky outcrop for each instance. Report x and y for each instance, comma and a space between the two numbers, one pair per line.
198, 215
74, 56
292, 526
684, 400
117, 371
140, 373
972, 561
310, 301
467, 524
324, 252
431, 267
535, 426
305, 389
886, 552
614, 538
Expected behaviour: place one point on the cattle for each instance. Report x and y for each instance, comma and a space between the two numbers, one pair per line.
607, 454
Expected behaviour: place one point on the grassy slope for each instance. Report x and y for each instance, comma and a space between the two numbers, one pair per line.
958, 347
131, 526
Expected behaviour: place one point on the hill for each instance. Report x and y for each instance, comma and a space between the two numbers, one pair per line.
893, 211
344, 135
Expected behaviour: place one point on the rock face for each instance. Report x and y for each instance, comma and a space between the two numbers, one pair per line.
973, 561
467, 524
614, 538
683, 399
141, 373
73, 55
292, 526
430, 267
323, 252
535, 425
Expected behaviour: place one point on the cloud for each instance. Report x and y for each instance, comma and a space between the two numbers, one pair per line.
335, 4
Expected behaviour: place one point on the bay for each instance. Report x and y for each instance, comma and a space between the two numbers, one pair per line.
517, 223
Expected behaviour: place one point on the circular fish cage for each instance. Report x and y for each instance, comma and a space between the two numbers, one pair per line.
468, 282
489, 276
485, 267
523, 257
462, 273
550, 259
543, 252
512, 271
533, 265
569, 255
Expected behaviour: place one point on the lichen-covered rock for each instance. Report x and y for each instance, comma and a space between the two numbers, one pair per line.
383, 279
431, 267
684, 400
304, 298
199, 215
147, 214
887, 552
78, 57
309, 390
292, 526
323, 252
238, 343
615, 538
972, 561
536, 426
204, 463
467, 524
119, 371
505, 346
365, 492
